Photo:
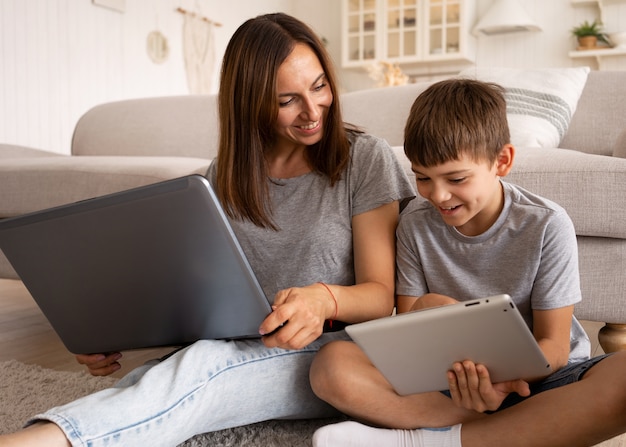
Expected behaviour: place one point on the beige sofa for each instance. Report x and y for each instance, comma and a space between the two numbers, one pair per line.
131, 143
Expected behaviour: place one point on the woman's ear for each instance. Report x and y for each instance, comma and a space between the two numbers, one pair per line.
504, 161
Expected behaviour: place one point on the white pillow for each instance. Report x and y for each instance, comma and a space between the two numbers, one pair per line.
540, 102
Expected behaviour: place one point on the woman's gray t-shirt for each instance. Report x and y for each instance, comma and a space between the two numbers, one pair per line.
530, 252
314, 240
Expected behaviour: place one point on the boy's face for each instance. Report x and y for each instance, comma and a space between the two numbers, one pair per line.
467, 193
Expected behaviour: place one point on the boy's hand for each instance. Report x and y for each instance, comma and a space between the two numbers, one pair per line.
471, 387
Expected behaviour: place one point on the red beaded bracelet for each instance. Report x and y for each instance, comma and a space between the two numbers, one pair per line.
330, 322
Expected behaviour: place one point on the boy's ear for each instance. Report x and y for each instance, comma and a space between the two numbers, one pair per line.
504, 162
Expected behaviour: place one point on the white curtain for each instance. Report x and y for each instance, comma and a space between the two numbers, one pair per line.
199, 51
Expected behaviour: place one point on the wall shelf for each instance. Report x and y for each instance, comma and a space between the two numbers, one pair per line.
594, 2
601, 52
598, 54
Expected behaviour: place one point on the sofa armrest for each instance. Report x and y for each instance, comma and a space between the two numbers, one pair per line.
592, 188
17, 151
31, 184
171, 126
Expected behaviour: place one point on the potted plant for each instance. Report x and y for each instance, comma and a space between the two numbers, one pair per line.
589, 34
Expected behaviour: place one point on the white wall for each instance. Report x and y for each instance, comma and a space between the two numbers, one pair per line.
58, 58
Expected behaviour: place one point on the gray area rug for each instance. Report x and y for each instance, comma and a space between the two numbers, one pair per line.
26, 390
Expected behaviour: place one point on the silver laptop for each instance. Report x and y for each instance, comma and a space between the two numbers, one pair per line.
157, 265
414, 350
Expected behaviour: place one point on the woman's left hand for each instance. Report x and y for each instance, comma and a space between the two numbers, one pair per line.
298, 317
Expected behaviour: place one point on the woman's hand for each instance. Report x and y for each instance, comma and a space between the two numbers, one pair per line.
100, 364
471, 387
301, 311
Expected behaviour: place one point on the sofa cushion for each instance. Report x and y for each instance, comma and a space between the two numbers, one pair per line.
35, 183
382, 111
599, 117
540, 102
619, 149
584, 184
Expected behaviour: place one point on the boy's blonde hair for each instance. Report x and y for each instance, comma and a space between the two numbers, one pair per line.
455, 117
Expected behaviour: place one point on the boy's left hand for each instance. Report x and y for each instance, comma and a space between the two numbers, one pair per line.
471, 387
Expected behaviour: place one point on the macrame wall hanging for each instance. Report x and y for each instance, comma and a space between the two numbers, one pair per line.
199, 50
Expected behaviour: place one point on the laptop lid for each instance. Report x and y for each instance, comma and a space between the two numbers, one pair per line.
414, 350
157, 265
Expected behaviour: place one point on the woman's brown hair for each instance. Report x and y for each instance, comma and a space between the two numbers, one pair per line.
248, 110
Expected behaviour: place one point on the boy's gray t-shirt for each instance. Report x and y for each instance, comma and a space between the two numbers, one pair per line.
314, 240
530, 252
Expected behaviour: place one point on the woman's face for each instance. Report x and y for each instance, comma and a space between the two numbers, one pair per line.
304, 97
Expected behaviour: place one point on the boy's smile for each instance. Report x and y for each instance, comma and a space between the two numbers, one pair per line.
467, 193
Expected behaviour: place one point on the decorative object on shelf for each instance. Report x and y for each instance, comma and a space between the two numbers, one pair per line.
505, 16
589, 34
618, 40
387, 74
199, 50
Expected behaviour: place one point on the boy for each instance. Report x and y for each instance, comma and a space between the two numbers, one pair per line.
477, 236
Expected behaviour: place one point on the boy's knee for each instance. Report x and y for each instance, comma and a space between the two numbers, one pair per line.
609, 383
618, 366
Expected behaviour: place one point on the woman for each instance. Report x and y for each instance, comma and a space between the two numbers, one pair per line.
314, 205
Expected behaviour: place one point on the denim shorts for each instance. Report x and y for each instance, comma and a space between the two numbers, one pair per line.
570, 373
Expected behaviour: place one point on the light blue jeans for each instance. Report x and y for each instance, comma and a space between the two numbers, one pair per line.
208, 386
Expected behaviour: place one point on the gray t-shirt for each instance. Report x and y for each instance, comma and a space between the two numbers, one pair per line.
530, 252
314, 242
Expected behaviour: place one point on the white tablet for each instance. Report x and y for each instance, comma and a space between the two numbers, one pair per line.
414, 350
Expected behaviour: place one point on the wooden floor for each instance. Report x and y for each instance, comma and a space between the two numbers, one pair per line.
26, 335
